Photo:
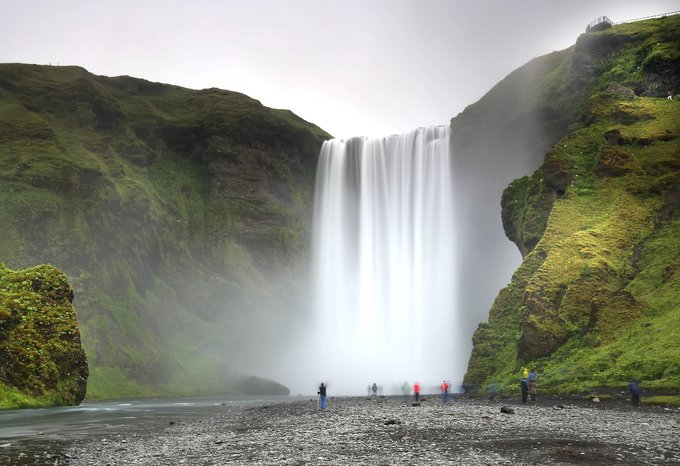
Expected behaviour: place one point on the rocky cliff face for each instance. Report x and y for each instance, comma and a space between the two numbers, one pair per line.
594, 302
180, 216
42, 362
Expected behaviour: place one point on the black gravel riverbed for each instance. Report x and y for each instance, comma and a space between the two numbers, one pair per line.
390, 431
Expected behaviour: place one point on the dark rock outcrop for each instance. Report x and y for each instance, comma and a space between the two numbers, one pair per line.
260, 386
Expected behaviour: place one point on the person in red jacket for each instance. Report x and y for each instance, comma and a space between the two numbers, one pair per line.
416, 390
445, 391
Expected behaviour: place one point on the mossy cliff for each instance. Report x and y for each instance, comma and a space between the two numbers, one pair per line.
42, 362
596, 300
180, 217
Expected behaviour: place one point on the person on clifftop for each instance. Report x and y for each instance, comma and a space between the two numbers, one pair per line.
322, 395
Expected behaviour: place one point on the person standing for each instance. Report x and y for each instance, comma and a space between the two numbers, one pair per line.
416, 391
445, 391
374, 389
532, 389
404, 391
670, 95
524, 384
634, 388
322, 396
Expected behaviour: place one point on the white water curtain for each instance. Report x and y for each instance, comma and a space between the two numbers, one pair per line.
384, 261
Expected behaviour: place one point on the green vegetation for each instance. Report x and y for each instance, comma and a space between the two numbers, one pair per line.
180, 217
662, 400
42, 362
596, 301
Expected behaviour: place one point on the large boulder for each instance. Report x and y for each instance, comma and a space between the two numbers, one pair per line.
42, 362
259, 386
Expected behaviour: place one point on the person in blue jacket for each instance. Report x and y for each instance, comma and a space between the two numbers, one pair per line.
634, 388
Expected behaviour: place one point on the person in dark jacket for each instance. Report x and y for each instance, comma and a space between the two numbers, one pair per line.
322, 396
634, 388
524, 384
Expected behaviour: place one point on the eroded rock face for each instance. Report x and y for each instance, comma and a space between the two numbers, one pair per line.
614, 161
40, 350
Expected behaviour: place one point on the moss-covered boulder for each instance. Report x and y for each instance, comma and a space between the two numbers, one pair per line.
42, 362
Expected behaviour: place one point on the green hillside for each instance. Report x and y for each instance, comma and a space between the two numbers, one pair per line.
596, 300
179, 216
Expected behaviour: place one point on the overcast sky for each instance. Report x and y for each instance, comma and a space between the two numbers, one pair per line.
353, 67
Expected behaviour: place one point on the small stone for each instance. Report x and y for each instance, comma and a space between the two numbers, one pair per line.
507, 410
596, 400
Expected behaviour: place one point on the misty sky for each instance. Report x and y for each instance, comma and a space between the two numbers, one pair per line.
353, 67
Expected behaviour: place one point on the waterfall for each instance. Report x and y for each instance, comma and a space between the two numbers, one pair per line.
383, 266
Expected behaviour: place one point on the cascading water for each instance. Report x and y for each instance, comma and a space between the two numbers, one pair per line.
384, 262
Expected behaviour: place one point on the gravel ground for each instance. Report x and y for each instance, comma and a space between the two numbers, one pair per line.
389, 431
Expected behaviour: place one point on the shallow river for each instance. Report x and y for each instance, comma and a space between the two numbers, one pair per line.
40, 436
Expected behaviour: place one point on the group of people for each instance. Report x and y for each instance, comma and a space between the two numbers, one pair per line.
528, 386
373, 391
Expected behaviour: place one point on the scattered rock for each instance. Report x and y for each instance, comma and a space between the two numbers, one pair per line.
288, 433
596, 400
507, 410
617, 90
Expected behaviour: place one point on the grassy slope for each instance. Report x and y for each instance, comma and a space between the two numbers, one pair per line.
595, 301
171, 211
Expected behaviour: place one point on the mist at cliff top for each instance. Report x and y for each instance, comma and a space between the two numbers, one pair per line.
353, 67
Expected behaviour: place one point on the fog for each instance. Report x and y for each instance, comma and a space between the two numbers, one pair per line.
353, 67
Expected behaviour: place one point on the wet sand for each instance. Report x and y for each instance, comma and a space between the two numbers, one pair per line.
389, 431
